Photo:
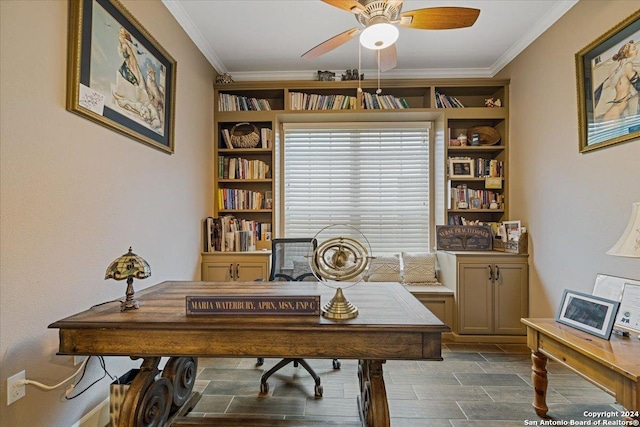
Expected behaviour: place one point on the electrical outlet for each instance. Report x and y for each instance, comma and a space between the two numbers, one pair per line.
15, 391
78, 360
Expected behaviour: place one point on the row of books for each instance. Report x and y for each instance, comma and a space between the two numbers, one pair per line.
240, 168
483, 168
238, 199
374, 101
311, 101
228, 234
228, 102
463, 197
266, 138
444, 101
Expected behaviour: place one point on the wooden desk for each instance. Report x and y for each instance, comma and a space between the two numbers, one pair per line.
612, 365
392, 324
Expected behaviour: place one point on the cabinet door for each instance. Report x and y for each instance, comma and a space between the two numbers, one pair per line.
250, 271
217, 271
511, 298
475, 299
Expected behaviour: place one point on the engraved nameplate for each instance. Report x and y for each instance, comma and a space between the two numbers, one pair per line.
254, 305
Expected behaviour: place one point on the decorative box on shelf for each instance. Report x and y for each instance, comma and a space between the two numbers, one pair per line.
463, 238
520, 246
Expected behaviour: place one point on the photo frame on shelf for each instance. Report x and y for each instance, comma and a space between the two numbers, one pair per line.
589, 313
607, 102
513, 229
118, 74
461, 168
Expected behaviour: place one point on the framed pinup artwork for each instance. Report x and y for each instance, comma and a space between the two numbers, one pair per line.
589, 313
608, 84
118, 74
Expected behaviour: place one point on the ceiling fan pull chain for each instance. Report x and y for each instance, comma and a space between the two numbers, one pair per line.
359, 67
379, 91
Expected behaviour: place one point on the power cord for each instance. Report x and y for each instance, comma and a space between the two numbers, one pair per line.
52, 387
67, 394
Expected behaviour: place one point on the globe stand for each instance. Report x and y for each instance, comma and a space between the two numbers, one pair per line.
339, 307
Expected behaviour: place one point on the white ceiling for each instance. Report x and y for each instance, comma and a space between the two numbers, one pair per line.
263, 39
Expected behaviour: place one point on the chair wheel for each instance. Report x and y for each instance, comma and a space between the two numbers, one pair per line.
318, 391
336, 364
264, 388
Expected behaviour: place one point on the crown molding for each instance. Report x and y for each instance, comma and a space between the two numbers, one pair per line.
543, 25
192, 31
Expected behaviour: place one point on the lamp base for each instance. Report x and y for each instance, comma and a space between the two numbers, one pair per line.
129, 304
339, 307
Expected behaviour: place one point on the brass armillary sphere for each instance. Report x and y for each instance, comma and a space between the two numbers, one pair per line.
340, 259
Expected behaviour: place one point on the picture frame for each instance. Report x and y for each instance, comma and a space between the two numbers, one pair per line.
461, 168
513, 229
627, 292
589, 313
608, 99
118, 74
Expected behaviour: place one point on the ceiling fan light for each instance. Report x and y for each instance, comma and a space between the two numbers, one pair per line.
379, 36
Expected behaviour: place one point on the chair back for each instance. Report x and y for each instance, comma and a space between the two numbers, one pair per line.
289, 259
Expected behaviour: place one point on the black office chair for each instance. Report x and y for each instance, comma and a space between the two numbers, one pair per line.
289, 262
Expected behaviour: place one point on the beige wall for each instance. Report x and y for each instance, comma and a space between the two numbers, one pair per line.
575, 205
75, 195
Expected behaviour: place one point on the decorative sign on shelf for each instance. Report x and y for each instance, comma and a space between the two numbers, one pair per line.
463, 238
253, 305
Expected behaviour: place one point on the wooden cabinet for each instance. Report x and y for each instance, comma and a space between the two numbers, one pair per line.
492, 291
235, 266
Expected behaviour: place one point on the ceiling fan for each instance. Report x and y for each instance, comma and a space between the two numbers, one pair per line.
379, 18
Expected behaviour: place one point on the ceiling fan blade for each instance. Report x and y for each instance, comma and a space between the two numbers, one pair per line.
348, 5
439, 18
331, 44
388, 58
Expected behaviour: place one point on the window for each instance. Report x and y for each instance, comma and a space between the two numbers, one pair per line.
371, 176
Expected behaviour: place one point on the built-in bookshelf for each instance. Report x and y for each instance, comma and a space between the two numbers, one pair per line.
453, 105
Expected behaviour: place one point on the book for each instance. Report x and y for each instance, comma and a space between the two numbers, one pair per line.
226, 136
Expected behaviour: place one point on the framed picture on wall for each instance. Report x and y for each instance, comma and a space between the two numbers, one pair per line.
118, 74
608, 80
589, 313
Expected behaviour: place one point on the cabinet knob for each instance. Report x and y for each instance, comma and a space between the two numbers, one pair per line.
497, 273
231, 271
237, 271
490, 272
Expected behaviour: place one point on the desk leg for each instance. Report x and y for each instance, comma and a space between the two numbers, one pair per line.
539, 378
148, 400
372, 402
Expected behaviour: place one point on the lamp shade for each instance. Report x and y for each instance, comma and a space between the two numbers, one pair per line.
629, 243
379, 36
128, 265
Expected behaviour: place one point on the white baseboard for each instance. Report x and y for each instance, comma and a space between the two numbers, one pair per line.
97, 417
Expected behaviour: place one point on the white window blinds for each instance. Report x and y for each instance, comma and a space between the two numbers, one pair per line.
371, 176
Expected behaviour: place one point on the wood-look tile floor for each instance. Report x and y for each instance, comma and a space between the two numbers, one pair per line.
475, 385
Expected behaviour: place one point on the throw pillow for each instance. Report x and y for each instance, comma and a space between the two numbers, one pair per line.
384, 269
419, 267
